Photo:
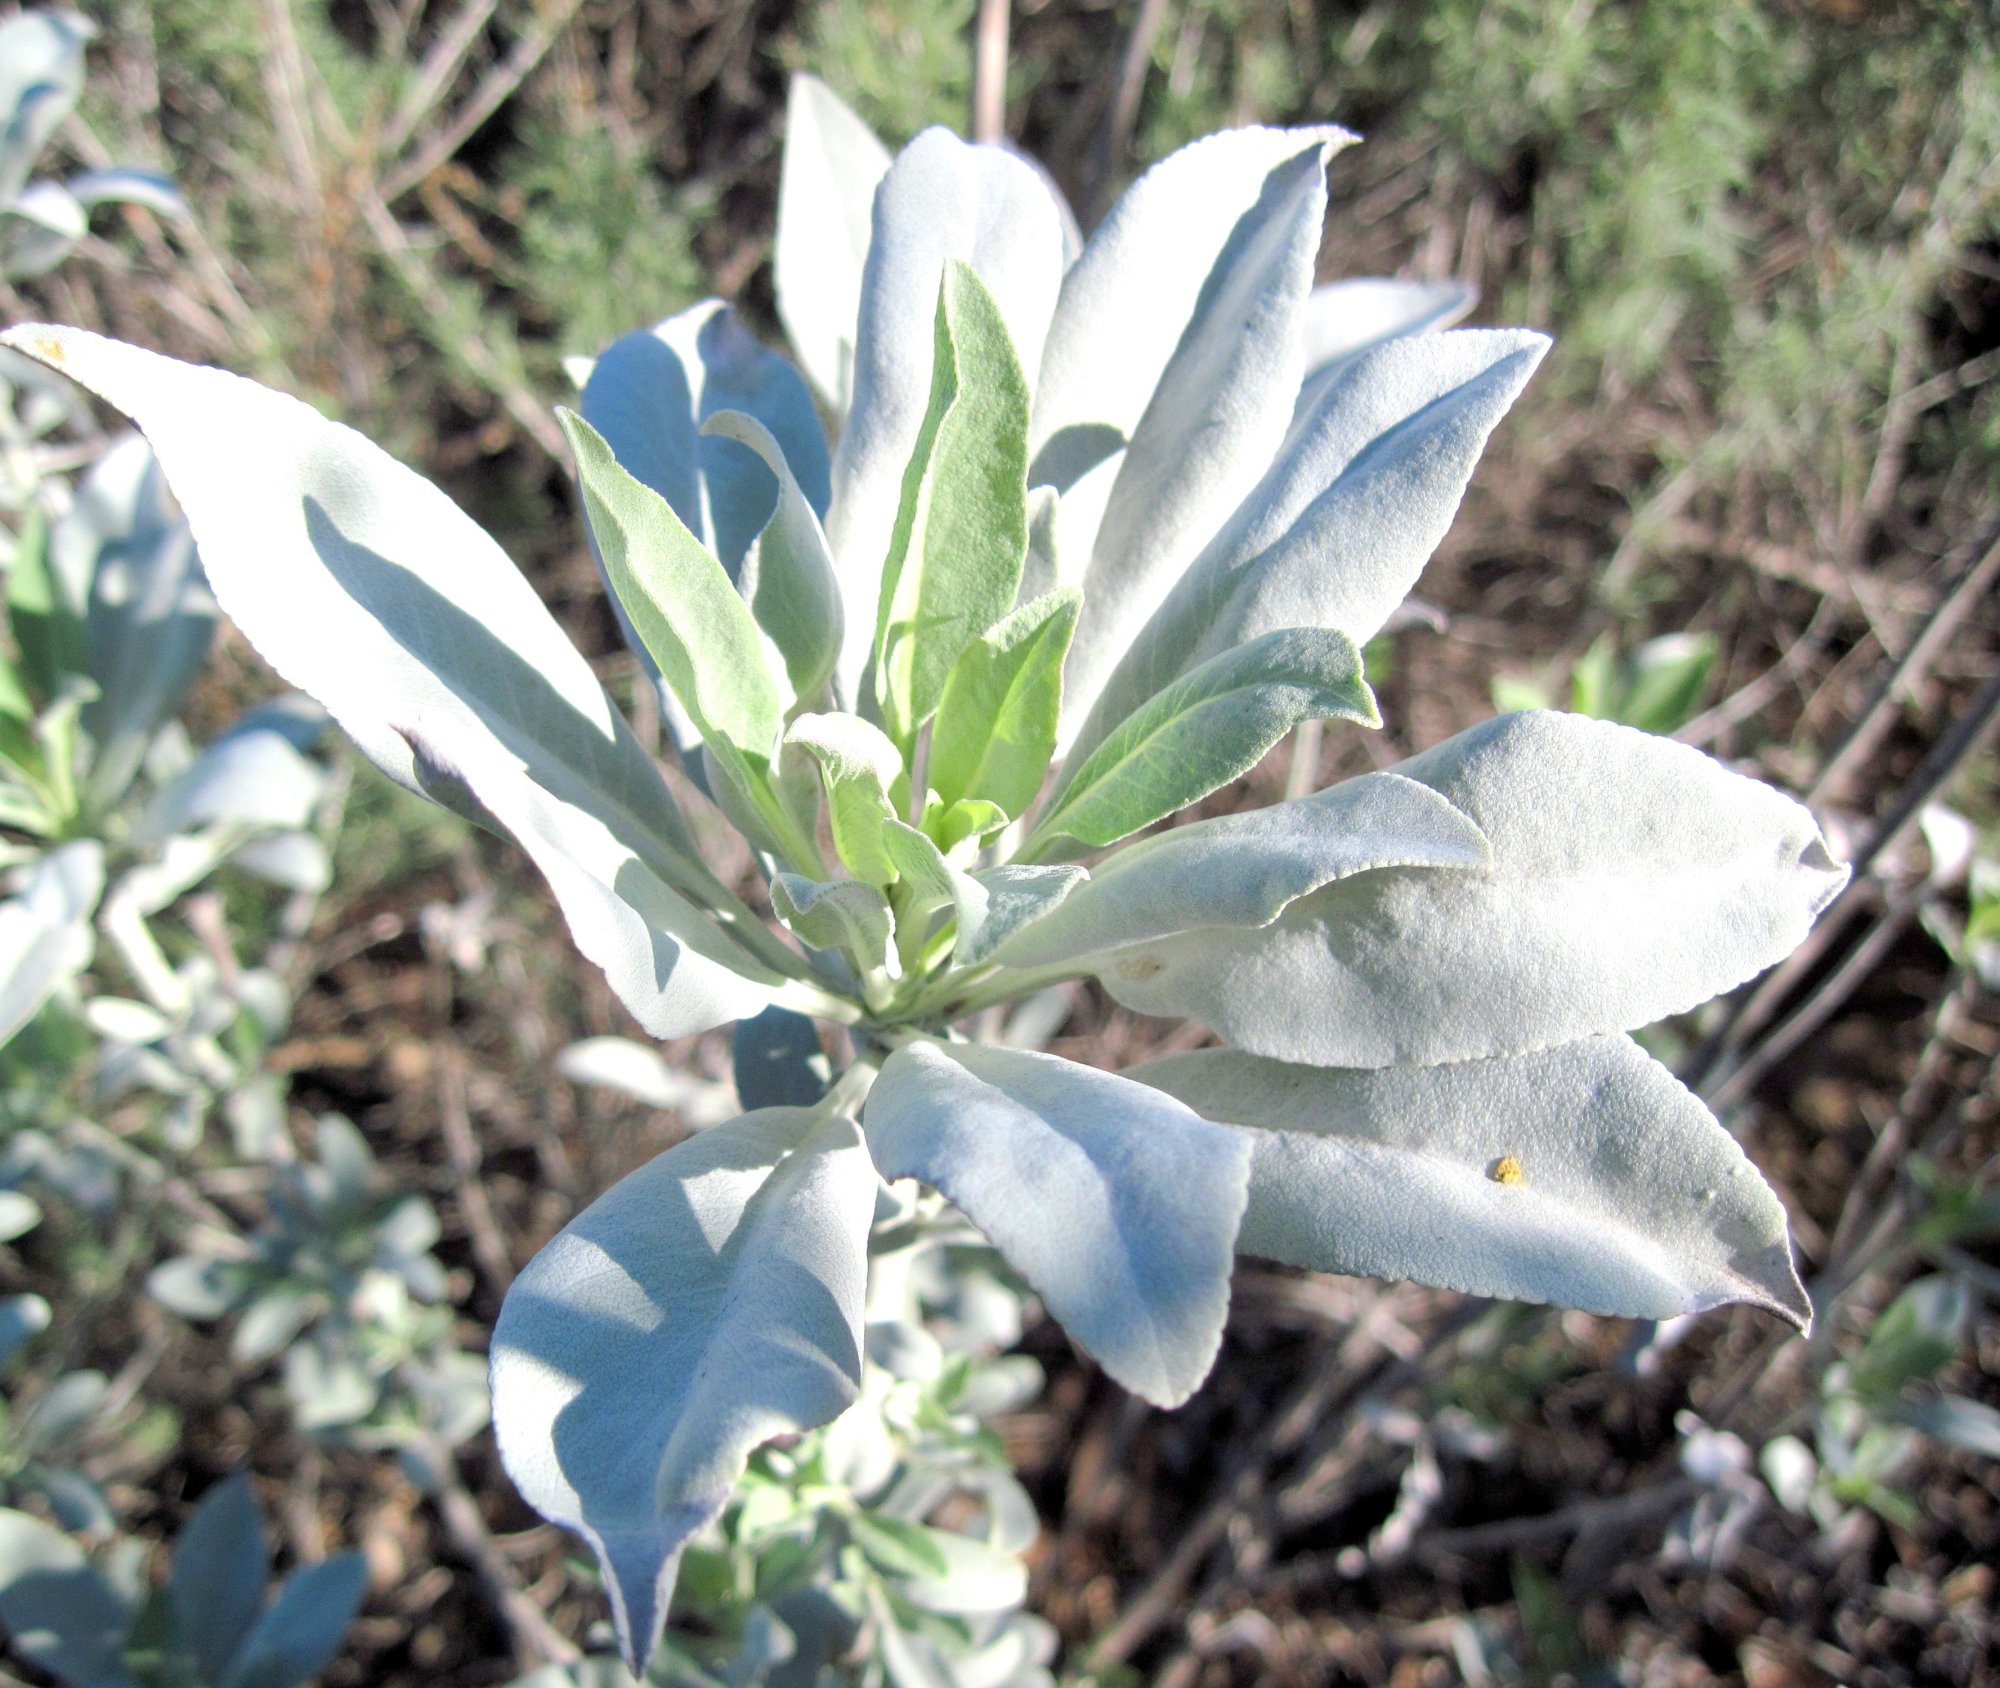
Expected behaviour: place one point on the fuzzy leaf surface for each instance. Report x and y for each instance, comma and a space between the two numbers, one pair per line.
941, 200
1343, 521
826, 198
1631, 878
961, 535
1117, 1204
367, 588
1243, 870
705, 1304
1585, 1175
1205, 729
996, 722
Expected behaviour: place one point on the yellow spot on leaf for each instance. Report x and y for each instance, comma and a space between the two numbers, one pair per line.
1507, 1170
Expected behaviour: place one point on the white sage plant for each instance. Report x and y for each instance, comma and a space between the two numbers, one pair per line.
1105, 520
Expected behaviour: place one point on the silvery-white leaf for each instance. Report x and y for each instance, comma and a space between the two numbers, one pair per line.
368, 588
1346, 317
41, 75
1220, 411
639, 1070
1116, 1204
295, 861
21, 1317
220, 1567
45, 932
1243, 870
19, 1214
149, 618
649, 394
299, 1632
1129, 298
1585, 1175
826, 196
51, 207
1017, 898
127, 185
57, 1610
667, 959
1632, 878
251, 779
1342, 523
708, 1302
39, 231
941, 199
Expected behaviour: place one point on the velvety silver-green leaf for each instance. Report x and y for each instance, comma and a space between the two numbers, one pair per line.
46, 936
1219, 413
685, 609
1344, 318
1128, 299
847, 914
150, 618
708, 1302
826, 198
860, 768
787, 577
941, 200
1242, 870
369, 589
1585, 1175
220, 1567
1632, 878
1204, 730
1118, 1205
996, 722
301, 1630
1017, 898
1342, 523
41, 75
57, 1610
667, 960
252, 779
961, 534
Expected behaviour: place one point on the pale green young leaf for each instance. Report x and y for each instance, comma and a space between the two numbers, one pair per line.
961, 827
787, 578
685, 609
961, 534
846, 915
707, 1303
46, 936
1204, 730
942, 200
1117, 1204
1584, 1175
861, 770
996, 722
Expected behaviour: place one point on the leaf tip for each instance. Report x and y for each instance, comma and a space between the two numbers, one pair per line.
44, 342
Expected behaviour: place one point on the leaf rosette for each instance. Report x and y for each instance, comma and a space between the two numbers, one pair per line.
1104, 521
